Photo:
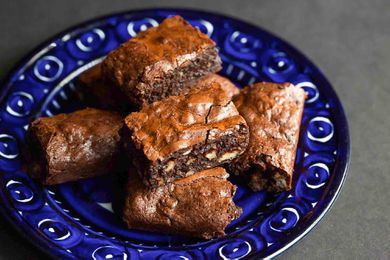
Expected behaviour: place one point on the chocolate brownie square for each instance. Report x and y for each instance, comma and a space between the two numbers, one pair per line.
273, 113
200, 205
180, 135
160, 61
69, 147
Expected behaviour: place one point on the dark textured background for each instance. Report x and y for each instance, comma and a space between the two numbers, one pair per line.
348, 40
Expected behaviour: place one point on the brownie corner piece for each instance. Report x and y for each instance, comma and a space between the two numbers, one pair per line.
273, 113
188, 206
180, 135
160, 61
69, 147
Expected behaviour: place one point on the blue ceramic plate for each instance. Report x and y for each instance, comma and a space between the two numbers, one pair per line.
76, 220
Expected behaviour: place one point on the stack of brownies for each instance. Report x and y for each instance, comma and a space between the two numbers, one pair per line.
189, 126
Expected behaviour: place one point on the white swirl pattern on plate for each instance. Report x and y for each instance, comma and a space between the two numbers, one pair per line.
48, 68
133, 31
85, 44
19, 104
8, 147
322, 135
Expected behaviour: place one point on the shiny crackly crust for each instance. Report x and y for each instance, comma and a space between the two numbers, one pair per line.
273, 113
188, 206
68, 147
155, 53
179, 122
204, 128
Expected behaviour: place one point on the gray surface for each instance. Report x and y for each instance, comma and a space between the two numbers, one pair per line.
348, 40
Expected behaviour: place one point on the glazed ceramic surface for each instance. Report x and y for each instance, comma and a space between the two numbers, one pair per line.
77, 220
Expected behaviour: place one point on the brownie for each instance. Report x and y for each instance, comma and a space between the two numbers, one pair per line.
273, 113
200, 205
180, 135
69, 147
99, 92
160, 61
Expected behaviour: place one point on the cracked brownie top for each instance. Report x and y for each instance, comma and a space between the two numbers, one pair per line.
179, 122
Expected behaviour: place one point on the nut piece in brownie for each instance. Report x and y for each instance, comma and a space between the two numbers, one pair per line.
200, 205
69, 147
273, 113
180, 135
100, 93
160, 61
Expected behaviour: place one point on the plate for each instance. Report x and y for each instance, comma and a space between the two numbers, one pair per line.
76, 220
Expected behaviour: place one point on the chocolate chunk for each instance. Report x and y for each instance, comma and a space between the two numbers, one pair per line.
200, 205
273, 113
180, 135
160, 61
69, 147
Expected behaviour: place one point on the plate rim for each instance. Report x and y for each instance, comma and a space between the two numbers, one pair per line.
344, 141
